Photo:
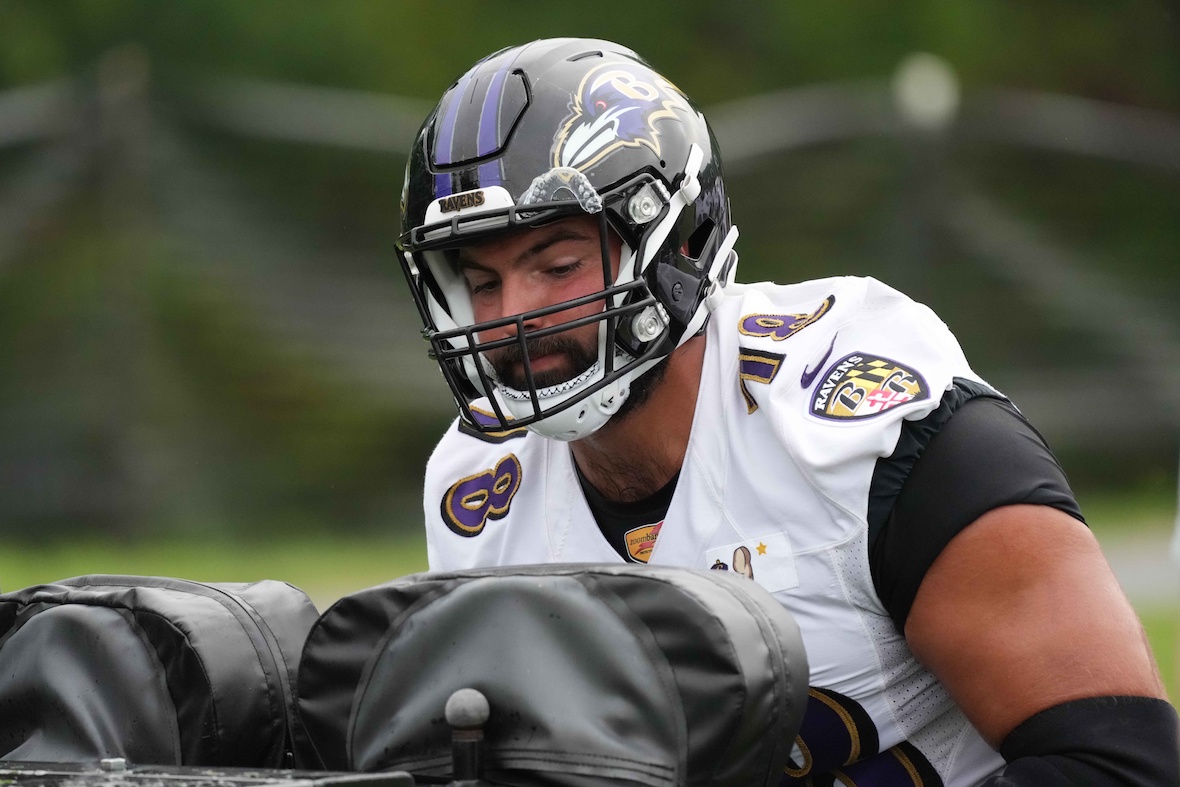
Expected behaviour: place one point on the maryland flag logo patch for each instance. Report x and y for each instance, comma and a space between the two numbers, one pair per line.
862, 386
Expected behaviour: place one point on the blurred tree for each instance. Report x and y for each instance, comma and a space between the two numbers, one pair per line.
203, 326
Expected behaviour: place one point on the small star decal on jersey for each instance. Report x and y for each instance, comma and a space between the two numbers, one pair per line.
761, 548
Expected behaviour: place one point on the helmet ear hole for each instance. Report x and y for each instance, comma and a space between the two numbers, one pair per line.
700, 239
678, 292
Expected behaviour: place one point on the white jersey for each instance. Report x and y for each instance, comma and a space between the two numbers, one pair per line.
804, 388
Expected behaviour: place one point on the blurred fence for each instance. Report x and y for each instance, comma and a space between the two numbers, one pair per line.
205, 324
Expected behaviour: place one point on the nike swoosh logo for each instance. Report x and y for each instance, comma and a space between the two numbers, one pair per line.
808, 376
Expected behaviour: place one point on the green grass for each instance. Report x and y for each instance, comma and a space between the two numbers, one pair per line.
1127, 513
1137, 514
1164, 635
322, 566
327, 568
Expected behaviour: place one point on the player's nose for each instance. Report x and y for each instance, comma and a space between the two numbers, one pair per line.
518, 299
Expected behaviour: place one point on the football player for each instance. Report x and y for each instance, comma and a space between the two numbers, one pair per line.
567, 239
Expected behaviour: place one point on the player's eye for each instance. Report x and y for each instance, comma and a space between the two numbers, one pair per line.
563, 271
481, 286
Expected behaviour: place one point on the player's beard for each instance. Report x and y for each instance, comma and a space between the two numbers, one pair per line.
509, 362
641, 390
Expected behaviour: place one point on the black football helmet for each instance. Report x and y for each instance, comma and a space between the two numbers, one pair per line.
533, 134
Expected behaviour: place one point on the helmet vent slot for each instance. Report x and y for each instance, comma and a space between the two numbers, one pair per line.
699, 240
584, 55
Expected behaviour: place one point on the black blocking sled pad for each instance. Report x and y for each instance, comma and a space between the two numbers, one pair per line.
150, 669
620, 675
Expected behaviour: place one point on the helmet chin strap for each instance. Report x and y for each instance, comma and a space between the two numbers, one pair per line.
685, 195
717, 284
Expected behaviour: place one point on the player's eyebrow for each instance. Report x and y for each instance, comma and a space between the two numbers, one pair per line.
552, 238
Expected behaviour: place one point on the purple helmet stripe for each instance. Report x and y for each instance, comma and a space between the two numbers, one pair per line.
442, 185
489, 129
489, 116
489, 174
444, 142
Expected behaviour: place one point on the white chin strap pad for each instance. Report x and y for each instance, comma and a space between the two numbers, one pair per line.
579, 420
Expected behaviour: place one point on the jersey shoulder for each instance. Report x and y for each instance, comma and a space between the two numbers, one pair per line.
827, 371
840, 350
777, 312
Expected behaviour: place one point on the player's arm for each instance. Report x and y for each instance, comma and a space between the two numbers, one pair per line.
1022, 620
980, 554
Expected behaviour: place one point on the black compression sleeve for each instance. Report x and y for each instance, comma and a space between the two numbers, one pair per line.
975, 452
1096, 742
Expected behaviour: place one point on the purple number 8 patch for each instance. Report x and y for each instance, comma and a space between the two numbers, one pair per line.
472, 501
